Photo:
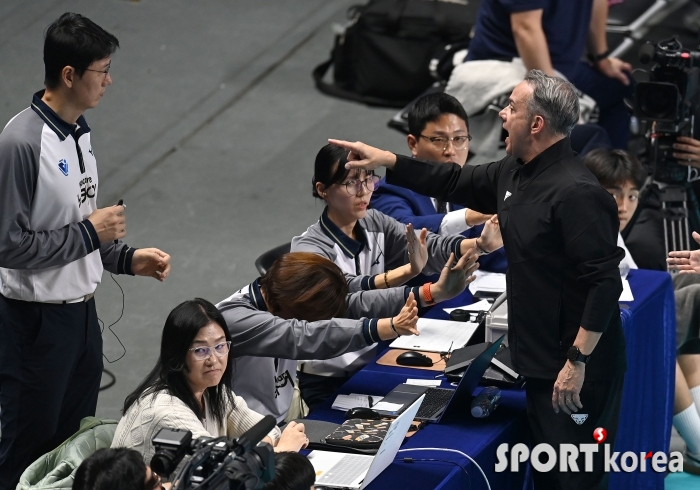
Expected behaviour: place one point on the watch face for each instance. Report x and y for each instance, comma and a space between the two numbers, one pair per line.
573, 353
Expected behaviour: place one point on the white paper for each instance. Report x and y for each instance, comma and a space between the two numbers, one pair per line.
388, 407
437, 336
491, 282
482, 305
626, 294
423, 382
346, 402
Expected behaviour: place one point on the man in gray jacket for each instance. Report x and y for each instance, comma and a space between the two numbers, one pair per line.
54, 245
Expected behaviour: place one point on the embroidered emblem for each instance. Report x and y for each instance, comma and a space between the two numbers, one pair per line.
579, 418
63, 166
508, 194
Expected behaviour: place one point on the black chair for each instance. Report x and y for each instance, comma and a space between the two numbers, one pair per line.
264, 262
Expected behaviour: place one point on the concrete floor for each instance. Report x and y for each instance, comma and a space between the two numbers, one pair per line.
208, 134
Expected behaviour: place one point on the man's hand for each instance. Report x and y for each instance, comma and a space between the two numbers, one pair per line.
365, 157
151, 262
474, 218
615, 68
109, 223
453, 280
568, 387
417, 249
686, 261
687, 151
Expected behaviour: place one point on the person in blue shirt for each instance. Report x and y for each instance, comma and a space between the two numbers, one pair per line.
438, 131
551, 35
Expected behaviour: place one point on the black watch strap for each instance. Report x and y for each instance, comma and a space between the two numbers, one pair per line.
575, 355
595, 58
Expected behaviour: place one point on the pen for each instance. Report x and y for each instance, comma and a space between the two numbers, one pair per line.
120, 203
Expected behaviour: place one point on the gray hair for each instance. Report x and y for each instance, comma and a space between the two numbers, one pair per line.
555, 100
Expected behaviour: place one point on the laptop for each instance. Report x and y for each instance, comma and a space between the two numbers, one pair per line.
440, 401
356, 471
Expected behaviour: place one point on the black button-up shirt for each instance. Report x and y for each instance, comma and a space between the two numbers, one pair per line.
559, 230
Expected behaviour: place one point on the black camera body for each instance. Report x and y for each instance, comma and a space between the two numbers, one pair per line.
670, 102
215, 463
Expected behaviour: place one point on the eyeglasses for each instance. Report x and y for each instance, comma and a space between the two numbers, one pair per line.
204, 352
441, 142
353, 186
105, 72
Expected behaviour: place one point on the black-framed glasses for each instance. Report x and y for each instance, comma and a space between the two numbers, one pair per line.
353, 186
105, 72
441, 142
204, 352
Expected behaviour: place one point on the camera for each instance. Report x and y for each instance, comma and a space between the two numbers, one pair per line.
669, 102
215, 463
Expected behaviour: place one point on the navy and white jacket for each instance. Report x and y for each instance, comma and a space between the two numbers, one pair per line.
266, 346
381, 247
49, 251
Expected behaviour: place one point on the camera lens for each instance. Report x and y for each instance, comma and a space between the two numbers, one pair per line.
656, 101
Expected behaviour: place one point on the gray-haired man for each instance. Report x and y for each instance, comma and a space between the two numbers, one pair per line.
559, 231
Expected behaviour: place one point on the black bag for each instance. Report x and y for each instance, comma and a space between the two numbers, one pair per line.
384, 53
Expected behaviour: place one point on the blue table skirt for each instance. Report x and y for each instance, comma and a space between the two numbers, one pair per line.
645, 421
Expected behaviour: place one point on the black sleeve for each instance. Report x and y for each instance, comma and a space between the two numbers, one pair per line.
589, 225
474, 187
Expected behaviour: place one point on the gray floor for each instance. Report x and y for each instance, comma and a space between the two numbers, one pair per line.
208, 133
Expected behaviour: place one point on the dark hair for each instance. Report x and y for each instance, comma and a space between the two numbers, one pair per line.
615, 167
292, 472
305, 286
74, 40
555, 99
111, 469
329, 167
180, 330
430, 107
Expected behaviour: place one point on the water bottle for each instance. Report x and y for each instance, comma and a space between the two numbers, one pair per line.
484, 404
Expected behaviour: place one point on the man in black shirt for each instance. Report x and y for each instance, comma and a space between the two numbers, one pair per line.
559, 230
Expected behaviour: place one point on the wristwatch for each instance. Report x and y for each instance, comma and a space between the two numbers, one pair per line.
575, 355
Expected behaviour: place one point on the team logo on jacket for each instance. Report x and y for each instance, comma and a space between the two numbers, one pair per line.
63, 166
579, 418
508, 194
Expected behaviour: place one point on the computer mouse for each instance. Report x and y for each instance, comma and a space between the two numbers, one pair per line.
362, 413
459, 315
413, 358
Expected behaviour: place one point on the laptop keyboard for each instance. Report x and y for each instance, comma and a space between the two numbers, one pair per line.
435, 400
346, 471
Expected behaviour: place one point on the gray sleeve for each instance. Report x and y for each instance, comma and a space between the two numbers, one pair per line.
439, 250
260, 333
20, 246
378, 303
116, 257
439, 247
309, 243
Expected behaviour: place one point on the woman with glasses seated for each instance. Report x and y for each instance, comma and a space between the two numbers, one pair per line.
373, 250
190, 387
300, 309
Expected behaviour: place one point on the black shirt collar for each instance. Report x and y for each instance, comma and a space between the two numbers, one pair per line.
550, 156
350, 247
59, 126
256, 296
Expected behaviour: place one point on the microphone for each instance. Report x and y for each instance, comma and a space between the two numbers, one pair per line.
254, 435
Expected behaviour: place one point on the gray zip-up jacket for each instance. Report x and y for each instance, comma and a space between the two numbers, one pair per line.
381, 246
267, 346
49, 250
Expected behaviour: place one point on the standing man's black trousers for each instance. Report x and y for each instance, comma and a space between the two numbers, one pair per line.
50, 372
601, 402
